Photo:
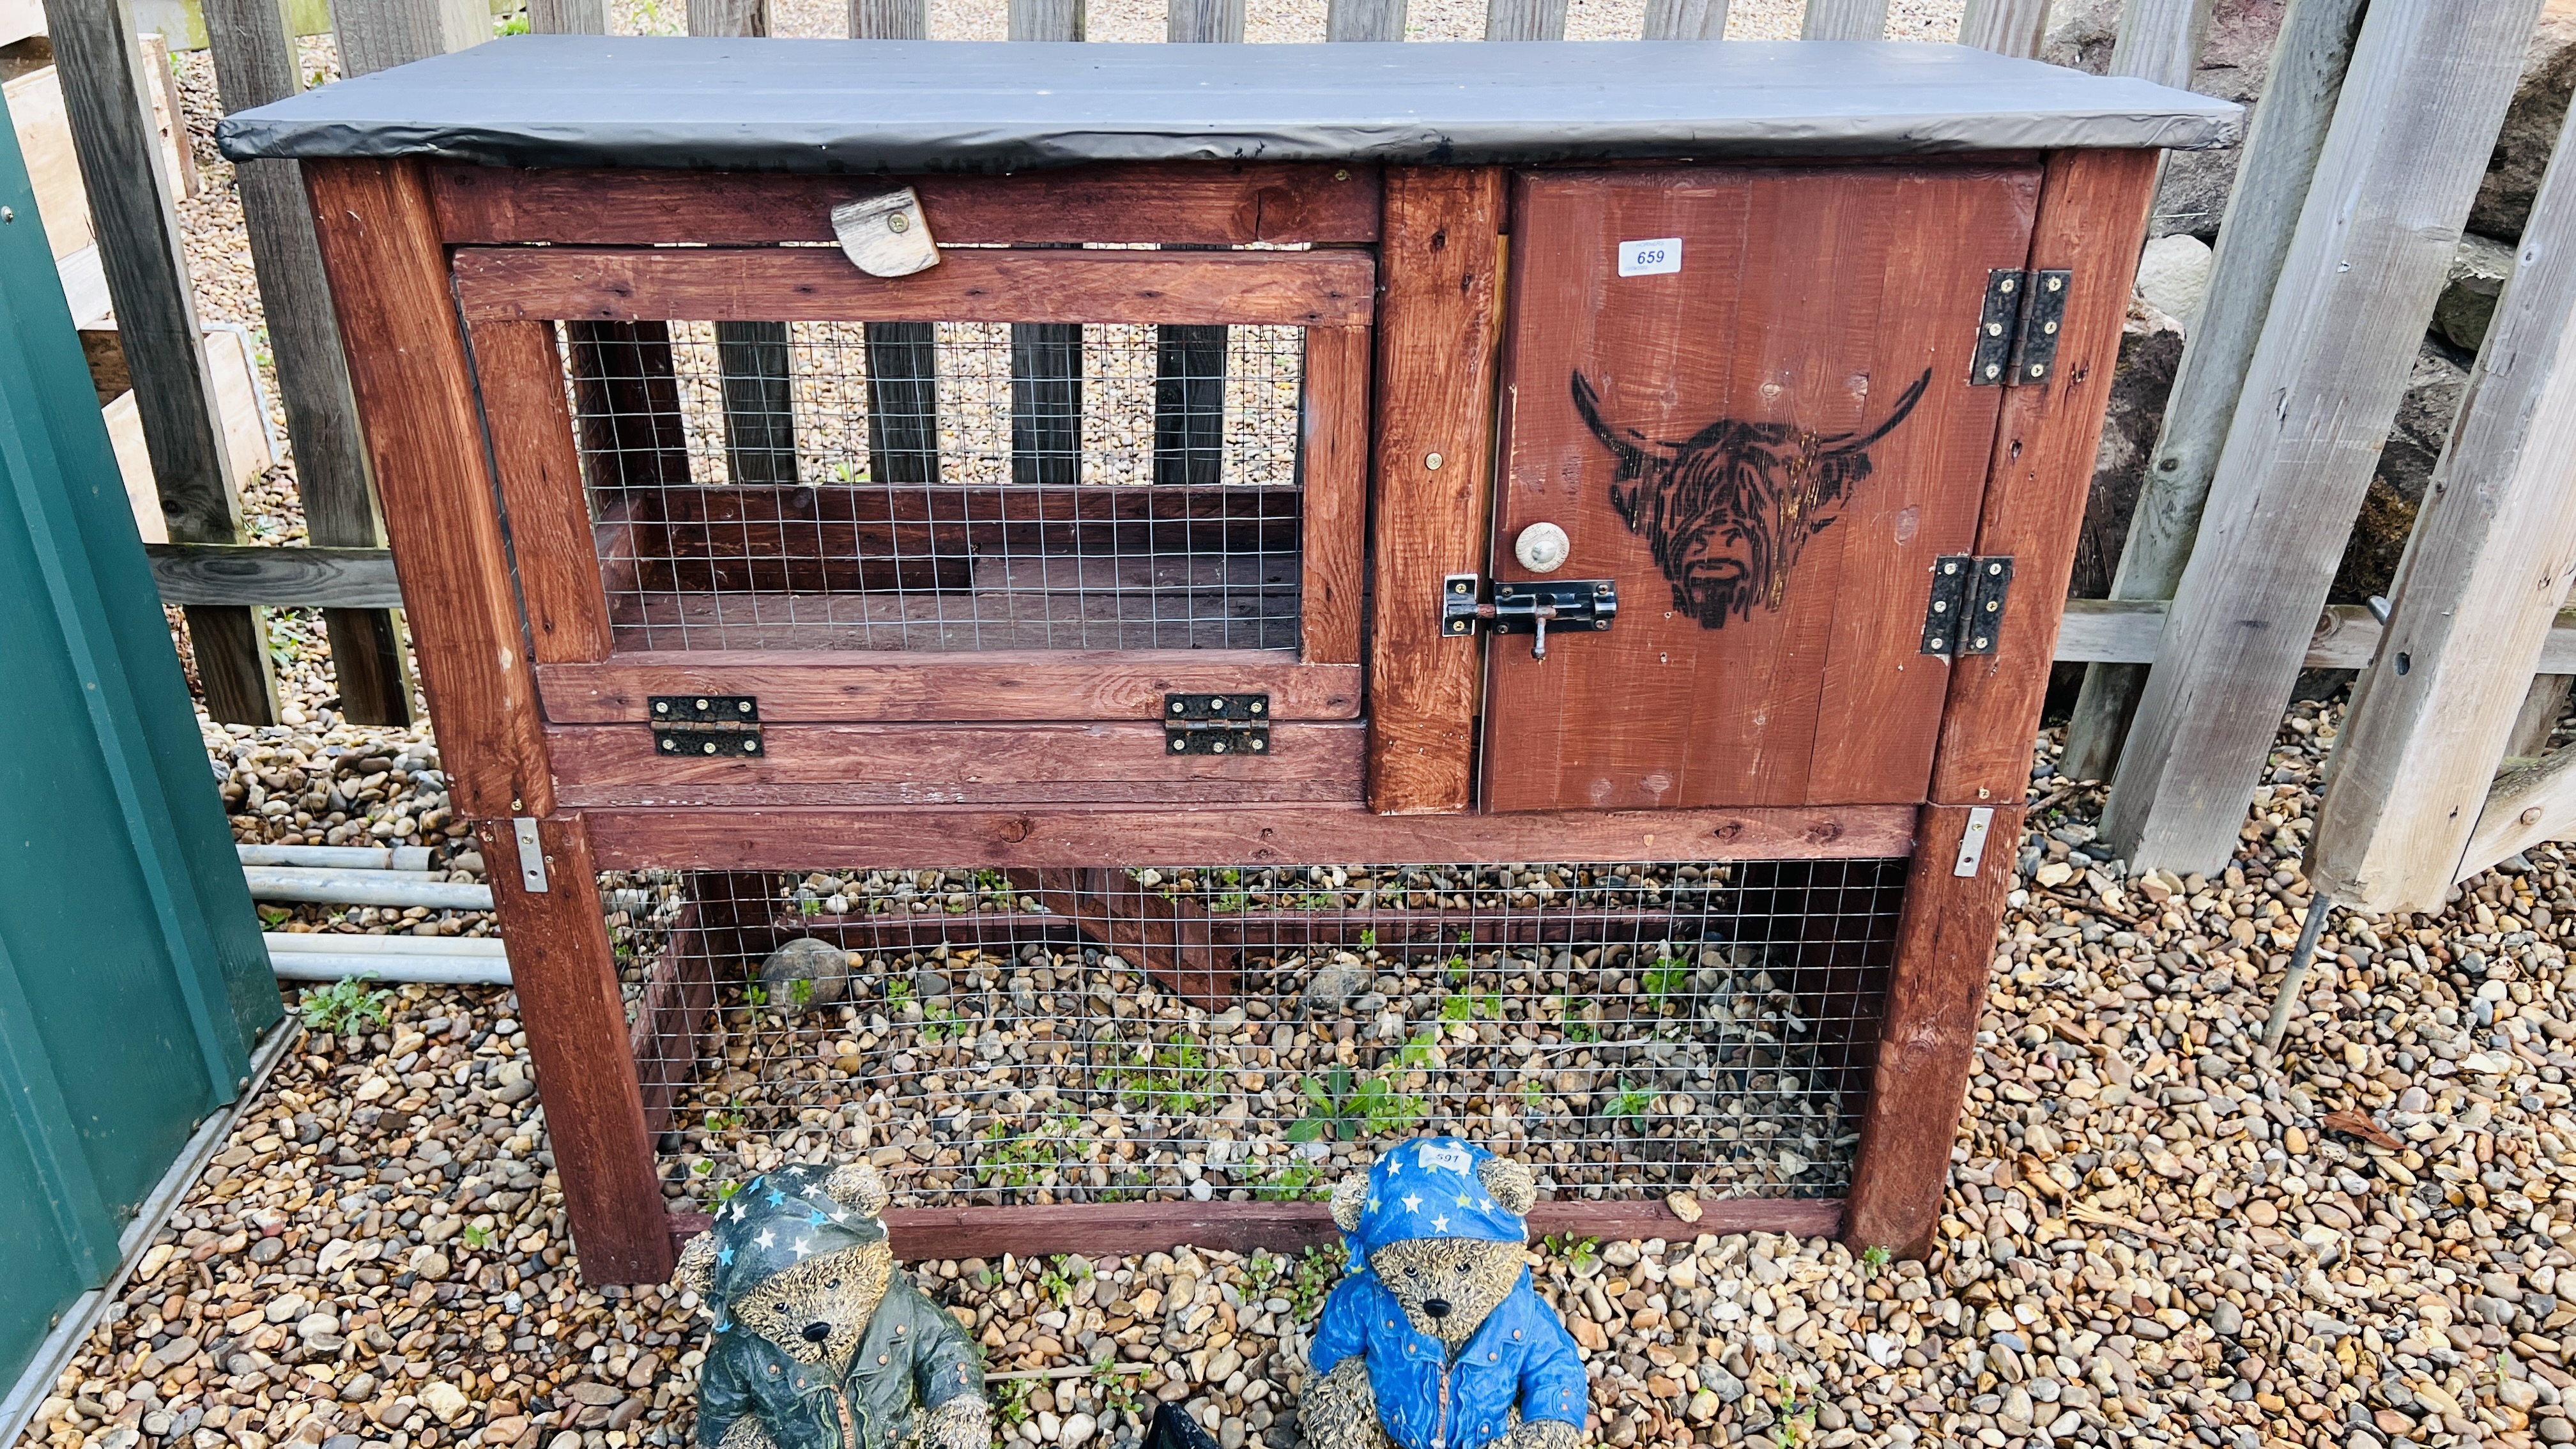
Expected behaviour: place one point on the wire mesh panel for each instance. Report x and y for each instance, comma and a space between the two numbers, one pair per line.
942, 485
1243, 1033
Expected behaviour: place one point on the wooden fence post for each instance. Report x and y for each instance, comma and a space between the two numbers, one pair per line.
1846, 20
1365, 19
2420, 108
2280, 160
378, 34
255, 63
1046, 357
2007, 27
127, 177
1046, 19
2160, 40
568, 17
889, 19
2484, 573
1691, 19
1203, 22
1190, 360
1525, 19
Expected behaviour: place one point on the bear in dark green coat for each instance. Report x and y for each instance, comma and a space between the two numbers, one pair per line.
819, 1343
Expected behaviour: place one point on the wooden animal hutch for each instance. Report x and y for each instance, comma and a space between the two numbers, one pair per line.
807, 459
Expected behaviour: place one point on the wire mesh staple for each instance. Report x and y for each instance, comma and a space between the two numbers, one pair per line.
941, 485
1256, 1033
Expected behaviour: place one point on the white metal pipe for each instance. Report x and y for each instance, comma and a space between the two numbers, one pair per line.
331, 943
430, 970
338, 857
364, 888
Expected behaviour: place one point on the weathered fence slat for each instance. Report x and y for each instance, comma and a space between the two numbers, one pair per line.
1525, 19
890, 19
2280, 159
568, 17
1203, 22
377, 34
1047, 19
2420, 108
129, 185
2485, 572
1845, 20
2160, 40
255, 64
1366, 20
1691, 19
2007, 27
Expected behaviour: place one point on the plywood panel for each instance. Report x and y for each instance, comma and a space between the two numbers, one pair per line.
1765, 450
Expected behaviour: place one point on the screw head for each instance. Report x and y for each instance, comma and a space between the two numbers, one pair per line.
1259, 744
1994, 329
1431, 461
2056, 284
2007, 284
708, 748
1938, 645
898, 222
1981, 641
751, 747
1994, 370
1177, 745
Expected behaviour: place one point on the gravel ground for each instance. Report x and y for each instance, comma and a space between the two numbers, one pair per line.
2153, 1231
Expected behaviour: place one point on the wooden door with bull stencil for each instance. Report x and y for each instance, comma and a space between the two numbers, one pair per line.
1743, 394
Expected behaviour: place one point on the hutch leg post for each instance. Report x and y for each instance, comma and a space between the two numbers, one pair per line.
1928, 1032
576, 1022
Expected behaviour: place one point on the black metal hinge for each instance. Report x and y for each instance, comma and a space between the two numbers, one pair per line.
2018, 328
1216, 724
705, 725
1966, 612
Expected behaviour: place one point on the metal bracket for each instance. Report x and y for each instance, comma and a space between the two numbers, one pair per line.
1972, 841
1216, 724
705, 725
2018, 327
1532, 607
532, 854
1966, 611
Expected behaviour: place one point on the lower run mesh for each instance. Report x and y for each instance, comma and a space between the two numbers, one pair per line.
1255, 1033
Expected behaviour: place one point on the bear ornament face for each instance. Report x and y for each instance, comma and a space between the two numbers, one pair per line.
1439, 1342
819, 1343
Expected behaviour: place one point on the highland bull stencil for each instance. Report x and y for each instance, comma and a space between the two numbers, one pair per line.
1727, 510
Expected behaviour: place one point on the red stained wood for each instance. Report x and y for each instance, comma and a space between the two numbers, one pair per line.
1809, 303
521, 376
818, 284
578, 1037
1210, 205
1172, 937
1435, 396
1927, 1034
998, 685
2092, 218
415, 394
922, 1234
952, 764
1333, 465
779, 839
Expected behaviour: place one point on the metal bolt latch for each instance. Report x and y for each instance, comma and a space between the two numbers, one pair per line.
1532, 607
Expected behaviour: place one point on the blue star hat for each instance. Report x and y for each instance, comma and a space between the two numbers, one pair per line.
1427, 1188
777, 1221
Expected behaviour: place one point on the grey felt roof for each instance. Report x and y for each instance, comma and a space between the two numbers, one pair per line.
859, 106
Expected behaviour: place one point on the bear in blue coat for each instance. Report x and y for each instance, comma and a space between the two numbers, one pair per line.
1438, 1341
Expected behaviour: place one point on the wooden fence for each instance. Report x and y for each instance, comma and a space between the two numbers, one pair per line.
2333, 251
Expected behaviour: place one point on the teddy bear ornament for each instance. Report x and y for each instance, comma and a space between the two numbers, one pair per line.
1438, 1340
819, 1343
